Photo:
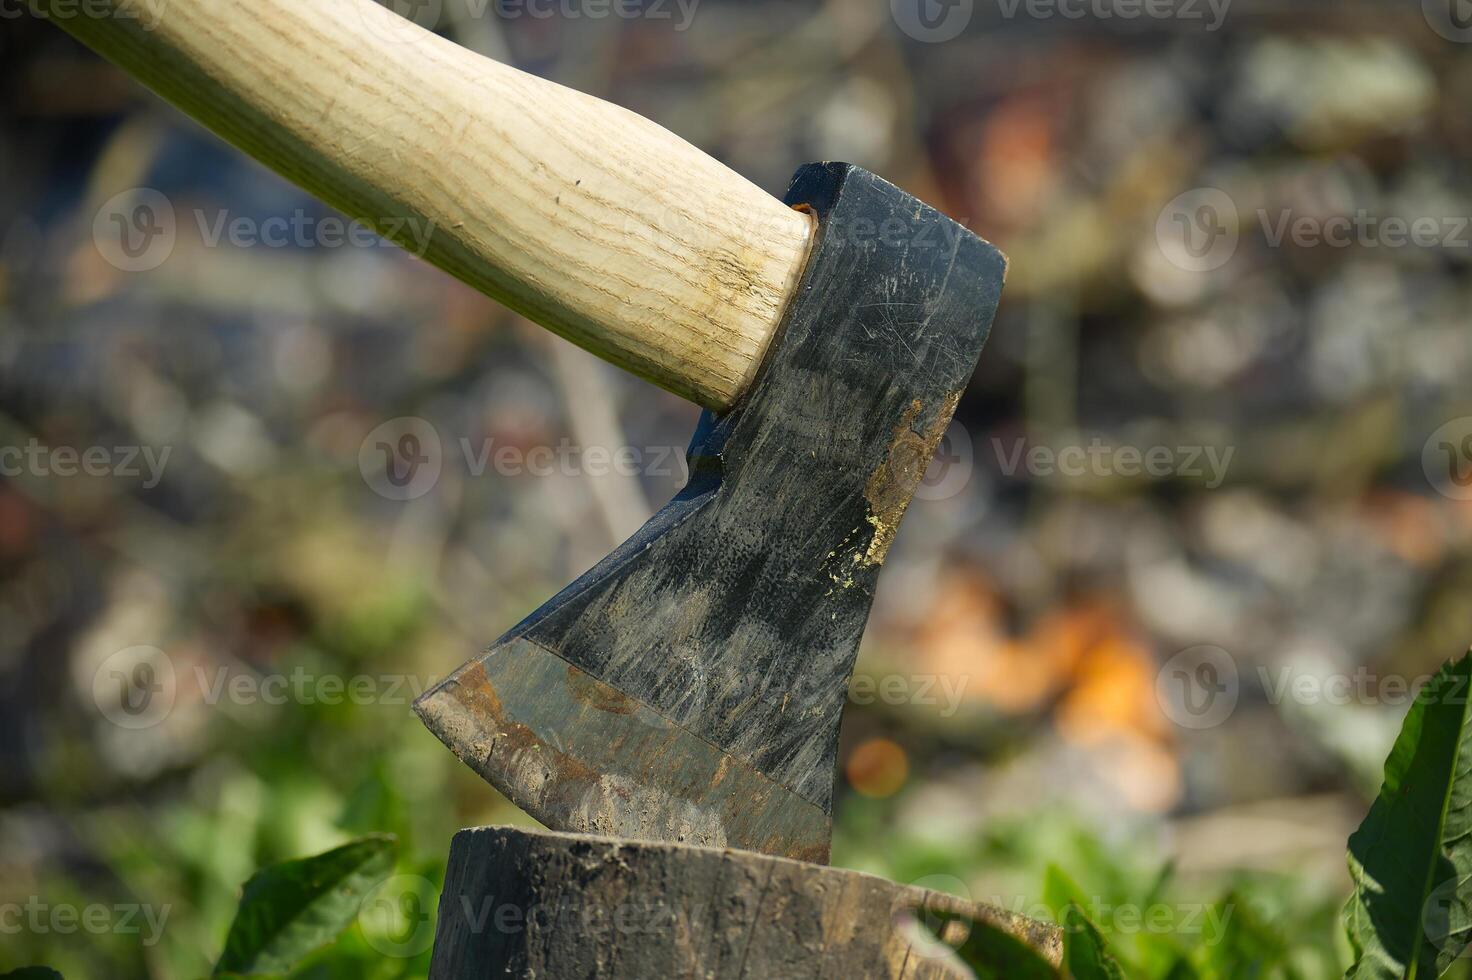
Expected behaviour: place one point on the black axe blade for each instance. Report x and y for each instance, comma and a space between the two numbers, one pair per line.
689, 687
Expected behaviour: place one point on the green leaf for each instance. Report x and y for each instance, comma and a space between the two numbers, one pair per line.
1061, 891
1182, 969
1084, 954
1163, 879
1244, 947
1411, 858
288, 910
990, 952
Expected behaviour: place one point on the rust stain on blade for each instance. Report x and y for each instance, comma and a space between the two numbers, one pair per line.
476, 694
596, 694
892, 485
581, 756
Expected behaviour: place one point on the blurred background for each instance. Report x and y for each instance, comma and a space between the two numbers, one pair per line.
1198, 529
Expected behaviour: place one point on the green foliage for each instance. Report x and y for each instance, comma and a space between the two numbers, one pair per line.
1060, 891
267, 782
1182, 970
993, 954
1084, 954
1410, 917
301, 779
292, 909
32, 973
1412, 856
1248, 948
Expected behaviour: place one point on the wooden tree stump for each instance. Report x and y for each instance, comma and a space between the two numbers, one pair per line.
524, 903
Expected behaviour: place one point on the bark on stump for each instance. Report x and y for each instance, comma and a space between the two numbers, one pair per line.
521, 903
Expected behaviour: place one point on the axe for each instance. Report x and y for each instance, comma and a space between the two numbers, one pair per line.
689, 687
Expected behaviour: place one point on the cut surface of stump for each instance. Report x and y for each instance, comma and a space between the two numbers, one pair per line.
523, 903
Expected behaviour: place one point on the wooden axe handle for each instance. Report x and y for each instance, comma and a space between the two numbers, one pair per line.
593, 221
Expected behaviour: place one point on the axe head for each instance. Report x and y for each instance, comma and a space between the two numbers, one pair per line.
689, 687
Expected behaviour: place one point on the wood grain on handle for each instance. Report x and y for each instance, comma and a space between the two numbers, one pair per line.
591, 220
